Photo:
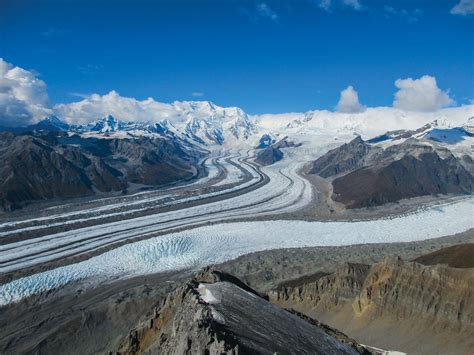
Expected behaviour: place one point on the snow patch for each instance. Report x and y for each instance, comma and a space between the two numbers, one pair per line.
206, 295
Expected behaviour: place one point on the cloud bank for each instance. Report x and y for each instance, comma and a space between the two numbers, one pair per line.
96, 106
24, 101
23, 97
420, 95
349, 101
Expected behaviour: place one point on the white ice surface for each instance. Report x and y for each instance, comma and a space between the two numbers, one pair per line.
234, 174
218, 243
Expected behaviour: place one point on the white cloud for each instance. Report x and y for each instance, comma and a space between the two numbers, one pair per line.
409, 15
23, 97
264, 10
421, 94
325, 4
349, 101
355, 4
197, 94
328, 5
465, 7
96, 106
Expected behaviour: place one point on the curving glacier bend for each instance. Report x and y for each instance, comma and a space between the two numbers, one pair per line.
285, 192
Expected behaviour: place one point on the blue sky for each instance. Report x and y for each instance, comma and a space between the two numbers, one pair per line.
266, 57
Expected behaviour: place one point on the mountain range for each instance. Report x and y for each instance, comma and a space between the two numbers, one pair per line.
54, 159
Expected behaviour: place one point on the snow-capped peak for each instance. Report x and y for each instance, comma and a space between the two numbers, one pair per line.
106, 125
51, 123
213, 124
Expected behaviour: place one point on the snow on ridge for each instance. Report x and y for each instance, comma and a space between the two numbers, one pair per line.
218, 243
206, 294
206, 122
370, 123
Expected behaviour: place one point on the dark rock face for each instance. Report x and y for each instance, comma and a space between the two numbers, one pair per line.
427, 174
223, 318
365, 175
269, 156
347, 157
273, 153
58, 166
265, 141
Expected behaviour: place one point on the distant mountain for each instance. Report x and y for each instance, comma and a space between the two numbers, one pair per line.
106, 125
213, 124
439, 132
201, 122
365, 174
51, 123
39, 167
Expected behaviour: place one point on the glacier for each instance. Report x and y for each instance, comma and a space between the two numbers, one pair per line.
221, 242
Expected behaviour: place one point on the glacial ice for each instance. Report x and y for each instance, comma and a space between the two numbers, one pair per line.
217, 243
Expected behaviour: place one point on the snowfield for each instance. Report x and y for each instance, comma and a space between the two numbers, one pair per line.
217, 243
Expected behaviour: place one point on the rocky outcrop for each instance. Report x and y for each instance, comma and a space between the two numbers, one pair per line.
273, 153
423, 308
215, 313
269, 155
55, 165
325, 291
364, 175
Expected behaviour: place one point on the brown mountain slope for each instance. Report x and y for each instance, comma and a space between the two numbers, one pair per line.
458, 256
393, 304
61, 166
365, 175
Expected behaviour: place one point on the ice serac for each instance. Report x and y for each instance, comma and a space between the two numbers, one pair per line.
215, 313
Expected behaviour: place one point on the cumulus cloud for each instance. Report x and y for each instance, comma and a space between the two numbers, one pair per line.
421, 94
464, 7
349, 101
328, 5
96, 106
23, 97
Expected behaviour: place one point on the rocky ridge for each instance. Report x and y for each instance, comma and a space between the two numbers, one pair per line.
365, 175
58, 165
215, 313
426, 309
